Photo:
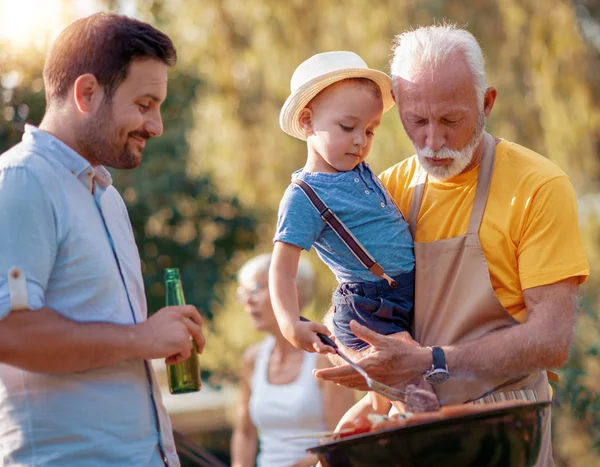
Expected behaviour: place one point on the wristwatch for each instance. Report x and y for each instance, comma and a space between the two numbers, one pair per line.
438, 373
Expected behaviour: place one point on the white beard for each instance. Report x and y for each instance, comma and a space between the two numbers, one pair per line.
460, 158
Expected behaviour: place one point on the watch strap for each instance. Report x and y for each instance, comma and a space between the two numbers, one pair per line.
439, 358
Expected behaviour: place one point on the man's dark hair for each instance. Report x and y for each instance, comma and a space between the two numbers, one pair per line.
103, 44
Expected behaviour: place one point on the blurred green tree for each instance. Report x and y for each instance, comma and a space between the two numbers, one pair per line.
207, 193
541, 56
179, 219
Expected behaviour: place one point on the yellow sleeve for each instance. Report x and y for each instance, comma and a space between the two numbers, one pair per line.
550, 248
396, 179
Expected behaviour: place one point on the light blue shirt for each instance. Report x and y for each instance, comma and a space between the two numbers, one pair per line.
361, 202
67, 229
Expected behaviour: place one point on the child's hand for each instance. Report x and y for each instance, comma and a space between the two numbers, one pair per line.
303, 334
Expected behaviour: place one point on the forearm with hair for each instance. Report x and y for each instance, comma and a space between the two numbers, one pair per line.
46, 342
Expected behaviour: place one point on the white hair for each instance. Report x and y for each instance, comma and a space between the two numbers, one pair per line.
427, 48
305, 277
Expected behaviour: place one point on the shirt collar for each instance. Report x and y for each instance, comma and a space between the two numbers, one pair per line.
69, 158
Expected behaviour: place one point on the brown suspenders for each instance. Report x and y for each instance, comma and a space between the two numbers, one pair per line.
343, 233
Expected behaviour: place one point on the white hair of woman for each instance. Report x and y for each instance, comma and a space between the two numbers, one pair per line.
305, 277
425, 49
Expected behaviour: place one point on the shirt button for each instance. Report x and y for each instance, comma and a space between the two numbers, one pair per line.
367, 192
382, 204
356, 180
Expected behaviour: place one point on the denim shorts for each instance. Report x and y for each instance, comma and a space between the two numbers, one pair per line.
374, 305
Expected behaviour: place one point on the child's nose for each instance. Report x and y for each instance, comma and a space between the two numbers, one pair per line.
360, 140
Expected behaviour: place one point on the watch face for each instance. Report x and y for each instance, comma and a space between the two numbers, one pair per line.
437, 376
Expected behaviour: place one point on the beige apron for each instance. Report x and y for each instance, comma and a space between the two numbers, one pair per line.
455, 301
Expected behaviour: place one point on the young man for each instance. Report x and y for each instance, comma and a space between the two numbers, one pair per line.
498, 250
76, 387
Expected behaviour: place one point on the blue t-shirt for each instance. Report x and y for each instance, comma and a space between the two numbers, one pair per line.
360, 200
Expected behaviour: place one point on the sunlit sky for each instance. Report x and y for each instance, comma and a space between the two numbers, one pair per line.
33, 23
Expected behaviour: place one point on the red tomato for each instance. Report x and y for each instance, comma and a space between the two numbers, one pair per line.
361, 425
358, 425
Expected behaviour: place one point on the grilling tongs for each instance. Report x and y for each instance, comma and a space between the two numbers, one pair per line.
389, 392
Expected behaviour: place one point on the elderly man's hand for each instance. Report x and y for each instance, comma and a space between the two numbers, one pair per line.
391, 361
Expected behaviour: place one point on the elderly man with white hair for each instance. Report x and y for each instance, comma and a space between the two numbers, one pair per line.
498, 250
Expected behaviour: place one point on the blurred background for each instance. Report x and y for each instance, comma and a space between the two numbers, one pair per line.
205, 198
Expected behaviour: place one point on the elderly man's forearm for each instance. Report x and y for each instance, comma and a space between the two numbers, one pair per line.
43, 341
506, 353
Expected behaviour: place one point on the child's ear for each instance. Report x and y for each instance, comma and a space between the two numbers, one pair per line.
305, 119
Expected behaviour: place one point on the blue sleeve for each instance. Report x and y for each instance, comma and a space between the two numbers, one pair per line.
27, 235
298, 222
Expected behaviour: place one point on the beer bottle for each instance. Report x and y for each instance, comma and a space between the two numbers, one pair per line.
184, 376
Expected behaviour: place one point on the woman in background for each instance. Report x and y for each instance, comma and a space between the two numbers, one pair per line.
280, 398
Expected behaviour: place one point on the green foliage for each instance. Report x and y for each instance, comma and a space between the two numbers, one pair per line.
183, 220
206, 195
545, 71
178, 219
21, 95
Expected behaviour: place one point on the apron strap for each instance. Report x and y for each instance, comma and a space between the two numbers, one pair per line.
417, 197
484, 178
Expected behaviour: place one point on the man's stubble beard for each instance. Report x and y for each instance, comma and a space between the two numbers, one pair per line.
97, 139
460, 158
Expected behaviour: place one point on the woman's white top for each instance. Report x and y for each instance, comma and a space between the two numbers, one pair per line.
279, 411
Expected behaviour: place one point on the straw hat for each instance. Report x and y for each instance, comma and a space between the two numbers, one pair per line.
320, 71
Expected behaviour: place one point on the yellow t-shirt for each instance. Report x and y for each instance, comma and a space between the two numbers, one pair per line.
529, 234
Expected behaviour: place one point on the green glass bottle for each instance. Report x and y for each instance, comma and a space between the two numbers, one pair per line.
184, 376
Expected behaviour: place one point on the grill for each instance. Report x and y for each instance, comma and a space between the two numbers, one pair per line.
505, 437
